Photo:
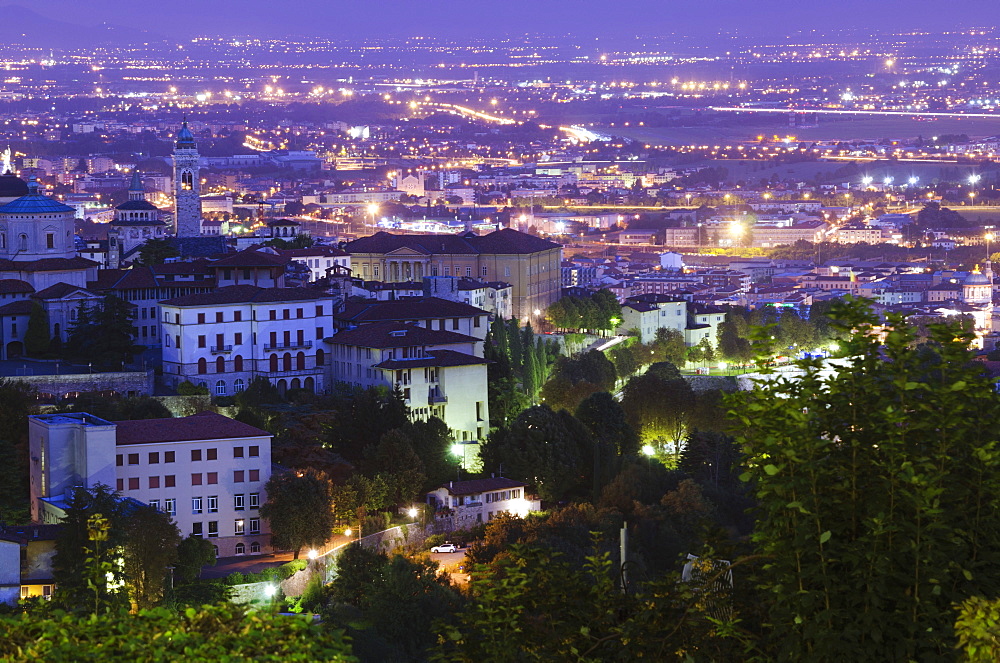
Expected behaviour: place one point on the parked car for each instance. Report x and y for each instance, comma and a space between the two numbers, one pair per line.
444, 548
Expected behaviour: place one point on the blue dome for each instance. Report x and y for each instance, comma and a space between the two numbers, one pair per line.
184, 137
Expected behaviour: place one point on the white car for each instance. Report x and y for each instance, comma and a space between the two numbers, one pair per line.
444, 548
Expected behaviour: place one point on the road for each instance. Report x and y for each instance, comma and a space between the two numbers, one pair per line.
451, 561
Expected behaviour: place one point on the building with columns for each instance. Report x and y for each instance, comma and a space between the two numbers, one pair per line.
187, 184
136, 221
531, 265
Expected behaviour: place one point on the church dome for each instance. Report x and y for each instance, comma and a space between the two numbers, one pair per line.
12, 186
976, 278
185, 139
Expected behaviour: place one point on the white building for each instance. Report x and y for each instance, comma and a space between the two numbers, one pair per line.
440, 373
224, 339
206, 471
321, 260
481, 500
651, 312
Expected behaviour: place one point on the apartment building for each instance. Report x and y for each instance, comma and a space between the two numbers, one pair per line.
440, 373
224, 339
206, 471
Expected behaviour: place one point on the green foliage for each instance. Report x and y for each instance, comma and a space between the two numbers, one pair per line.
104, 334
151, 540
17, 401
210, 633
574, 379
978, 630
399, 465
299, 508
193, 554
156, 251
188, 388
660, 410
121, 409
389, 604
879, 478
36, 336
599, 312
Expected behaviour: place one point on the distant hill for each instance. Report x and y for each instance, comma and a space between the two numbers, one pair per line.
23, 26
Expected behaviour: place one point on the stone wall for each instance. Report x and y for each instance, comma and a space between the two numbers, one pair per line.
138, 383
709, 382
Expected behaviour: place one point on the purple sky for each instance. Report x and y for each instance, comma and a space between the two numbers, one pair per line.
182, 18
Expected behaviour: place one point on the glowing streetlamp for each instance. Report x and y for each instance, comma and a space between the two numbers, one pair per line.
913, 181
373, 210
313, 554
867, 180
989, 237
412, 513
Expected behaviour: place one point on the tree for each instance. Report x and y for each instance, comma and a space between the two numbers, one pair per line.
104, 334
36, 336
659, 410
150, 546
669, 346
299, 509
156, 251
396, 461
74, 545
17, 401
613, 436
193, 554
880, 477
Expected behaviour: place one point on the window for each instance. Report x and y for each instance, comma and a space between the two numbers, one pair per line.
220, 387
238, 476
120, 485
196, 530
239, 526
273, 315
454, 323
320, 357
255, 525
319, 333
254, 451
22, 242
202, 366
213, 503
237, 316
254, 500
50, 241
238, 384
195, 454
133, 483
238, 366
196, 479
169, 481
299, 313
319, 310
241, 549
154, 457
201, 340
237, 339
212, 454
120, 460
212, 478
168, 456
484, 271
286, 313
237, 452
468, 271
155, 504
238, 502
213, 529
254, 475
154, 482
195, 505
476, 321
218, 316
201, 318
133, 459
254, 547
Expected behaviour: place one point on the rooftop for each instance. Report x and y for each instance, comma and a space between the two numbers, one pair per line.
201, 426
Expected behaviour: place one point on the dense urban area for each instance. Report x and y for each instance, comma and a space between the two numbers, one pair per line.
534, 348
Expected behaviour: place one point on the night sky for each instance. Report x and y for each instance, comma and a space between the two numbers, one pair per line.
185, 18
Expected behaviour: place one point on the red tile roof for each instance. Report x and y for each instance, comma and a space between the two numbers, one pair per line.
396, 335
251, 258
435, 358
46, 264
245, 294
506, 241
476, 486
202, 426
416, 308
14, 286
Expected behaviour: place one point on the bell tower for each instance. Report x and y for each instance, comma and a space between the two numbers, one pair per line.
187, 185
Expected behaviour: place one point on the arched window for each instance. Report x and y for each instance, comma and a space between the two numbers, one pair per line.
220, 388
310, 385
187, 181
296, 384
274, 363
238, 386
300, 361
202, 366
286, 361
22, 242
320, 357
220, 365
238, 363
241, 549
254, 547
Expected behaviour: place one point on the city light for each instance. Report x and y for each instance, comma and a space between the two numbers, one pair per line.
648, 450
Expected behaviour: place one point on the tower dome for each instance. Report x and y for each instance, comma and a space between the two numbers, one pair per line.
185, 139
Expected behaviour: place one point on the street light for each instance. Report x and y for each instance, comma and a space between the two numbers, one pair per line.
412, 513
313, 554
867, 180
373, 210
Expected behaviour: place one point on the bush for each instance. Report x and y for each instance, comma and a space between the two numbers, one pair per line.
187, 388
212, 633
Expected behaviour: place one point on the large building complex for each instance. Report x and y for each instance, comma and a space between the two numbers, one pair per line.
531, 265
206, 471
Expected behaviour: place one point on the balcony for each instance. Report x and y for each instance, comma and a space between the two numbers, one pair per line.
221, 349
436, 398
291, 345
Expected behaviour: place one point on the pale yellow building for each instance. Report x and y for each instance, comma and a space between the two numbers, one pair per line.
531, 265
